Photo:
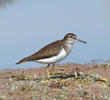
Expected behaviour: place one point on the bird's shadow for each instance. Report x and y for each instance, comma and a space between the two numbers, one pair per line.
58, 77
63, 77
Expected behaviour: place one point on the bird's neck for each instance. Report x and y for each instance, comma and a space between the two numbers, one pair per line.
67, 46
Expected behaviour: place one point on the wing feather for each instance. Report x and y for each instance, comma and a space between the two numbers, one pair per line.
50, 50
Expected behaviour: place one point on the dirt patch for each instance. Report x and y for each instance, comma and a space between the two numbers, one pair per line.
68, 82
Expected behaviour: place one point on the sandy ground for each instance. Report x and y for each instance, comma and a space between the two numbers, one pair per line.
68, 82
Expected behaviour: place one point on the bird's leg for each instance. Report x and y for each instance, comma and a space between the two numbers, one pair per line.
48, 73
53, 67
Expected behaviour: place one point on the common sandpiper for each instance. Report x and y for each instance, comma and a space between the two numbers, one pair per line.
54, 52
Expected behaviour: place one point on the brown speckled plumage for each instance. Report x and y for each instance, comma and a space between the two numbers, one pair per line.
50, 50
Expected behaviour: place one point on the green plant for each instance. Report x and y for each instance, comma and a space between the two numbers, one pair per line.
108, 65
22, 76
34, 94
82, 91
2, 97
63, 95
105, 95
79, 75
26, 85
95, 77
11, 86
94, 97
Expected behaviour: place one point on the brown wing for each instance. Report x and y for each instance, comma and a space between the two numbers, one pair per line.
50, 50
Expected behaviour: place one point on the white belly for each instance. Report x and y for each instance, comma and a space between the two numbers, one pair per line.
54, 59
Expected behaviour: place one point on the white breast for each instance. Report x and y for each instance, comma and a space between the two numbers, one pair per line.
54, 59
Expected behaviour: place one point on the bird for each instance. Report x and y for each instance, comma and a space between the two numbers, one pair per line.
53, 52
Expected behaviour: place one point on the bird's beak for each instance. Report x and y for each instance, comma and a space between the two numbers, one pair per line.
81, 41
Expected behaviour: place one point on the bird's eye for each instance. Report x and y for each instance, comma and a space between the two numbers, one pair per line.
71, 36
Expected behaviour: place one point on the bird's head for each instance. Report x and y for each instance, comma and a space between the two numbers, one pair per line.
71, 38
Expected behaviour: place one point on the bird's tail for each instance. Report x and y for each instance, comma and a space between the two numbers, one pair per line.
21, 61
29, 58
